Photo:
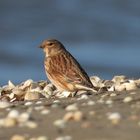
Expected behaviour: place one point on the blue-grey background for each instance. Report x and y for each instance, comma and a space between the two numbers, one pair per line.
104, 35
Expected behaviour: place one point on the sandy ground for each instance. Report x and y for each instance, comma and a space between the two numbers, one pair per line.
106, 116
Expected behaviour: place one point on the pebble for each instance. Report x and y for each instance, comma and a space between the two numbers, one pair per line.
90, 103
45, 112
24, 117
28, 103
130, 86
76, 116
38, 102
127, 99
10, 122
109, 102
114, 117
39, 108
31, 124
84, 96
18, 137
39, 138
113, 94
13, 114
64, 138
4, 104
60, 124
72, 107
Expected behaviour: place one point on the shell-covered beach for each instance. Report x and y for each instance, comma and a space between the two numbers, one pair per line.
33, 111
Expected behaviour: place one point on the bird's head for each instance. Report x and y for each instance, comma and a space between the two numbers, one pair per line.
52, 47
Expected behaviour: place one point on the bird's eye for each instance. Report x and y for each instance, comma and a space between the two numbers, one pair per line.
50, 44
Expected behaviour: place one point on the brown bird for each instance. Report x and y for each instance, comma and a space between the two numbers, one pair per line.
63, 70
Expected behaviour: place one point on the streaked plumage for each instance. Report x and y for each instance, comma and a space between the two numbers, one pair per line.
62, 68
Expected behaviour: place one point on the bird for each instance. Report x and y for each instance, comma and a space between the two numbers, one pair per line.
63, 70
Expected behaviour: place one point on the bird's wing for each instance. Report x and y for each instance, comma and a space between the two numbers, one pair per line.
70, 71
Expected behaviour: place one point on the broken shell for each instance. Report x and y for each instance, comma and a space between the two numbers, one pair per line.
119, 79
130, 86
4, 104
31, 96
11, 85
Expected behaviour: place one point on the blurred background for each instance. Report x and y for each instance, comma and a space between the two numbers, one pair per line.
103, 35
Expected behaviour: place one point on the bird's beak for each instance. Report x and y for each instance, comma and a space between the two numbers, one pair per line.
41, 46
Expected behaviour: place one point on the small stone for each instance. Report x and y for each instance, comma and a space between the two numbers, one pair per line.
109, 102
84, 96
92, 113
114, 117
64, 138
113, 94
72, 107
76, 116
90, 103
18, 137
45, 112
39, 107
31, 124
4, 104
133, 93
10, 122
127, 99
42, 138
28, 103
38, 102
60, 124
13, 114
86, 125
24, 117
139, 123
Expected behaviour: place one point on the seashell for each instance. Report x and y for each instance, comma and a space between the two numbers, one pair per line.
11, 85
119, 79
26, 84
5, 98
65, 94
4, 104
42, 84
97, 82
137, 82
120, 87
48, 90
130, 86
19, 92
31, 96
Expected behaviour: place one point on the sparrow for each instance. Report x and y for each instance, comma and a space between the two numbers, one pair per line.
63, 70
